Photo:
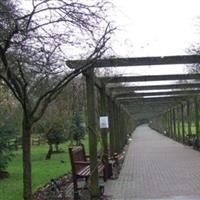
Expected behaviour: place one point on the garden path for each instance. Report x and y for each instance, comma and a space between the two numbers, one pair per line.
156, 167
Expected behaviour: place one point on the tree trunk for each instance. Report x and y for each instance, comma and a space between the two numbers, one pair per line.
57, 148
26, 145
50, 151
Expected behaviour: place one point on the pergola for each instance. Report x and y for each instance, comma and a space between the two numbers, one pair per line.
127, 106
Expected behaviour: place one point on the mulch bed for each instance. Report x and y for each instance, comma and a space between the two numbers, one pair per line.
56, 189
61, 189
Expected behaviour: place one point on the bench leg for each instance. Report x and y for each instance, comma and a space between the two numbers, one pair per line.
105, 173
76, 192
76, 195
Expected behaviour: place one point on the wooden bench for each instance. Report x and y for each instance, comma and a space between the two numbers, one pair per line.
81, 166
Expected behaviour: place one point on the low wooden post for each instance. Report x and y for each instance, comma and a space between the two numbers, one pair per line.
91, 114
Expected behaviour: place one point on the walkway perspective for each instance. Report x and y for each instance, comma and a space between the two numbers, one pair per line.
156, 167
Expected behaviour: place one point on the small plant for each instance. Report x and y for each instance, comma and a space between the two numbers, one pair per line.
77, 129
6, 133
5, 154
55, 136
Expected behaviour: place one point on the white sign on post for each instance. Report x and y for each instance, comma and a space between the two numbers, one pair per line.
104, 122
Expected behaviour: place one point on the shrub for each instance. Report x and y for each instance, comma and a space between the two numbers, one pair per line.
5, 154
77, 130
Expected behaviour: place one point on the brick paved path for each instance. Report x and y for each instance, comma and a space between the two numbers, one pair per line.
157, 167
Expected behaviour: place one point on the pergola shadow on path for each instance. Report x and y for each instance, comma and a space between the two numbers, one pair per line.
127, 106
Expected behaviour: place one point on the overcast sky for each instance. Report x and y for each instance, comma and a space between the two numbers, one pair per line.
155, 28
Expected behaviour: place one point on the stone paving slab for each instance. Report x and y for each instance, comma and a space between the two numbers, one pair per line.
157, 167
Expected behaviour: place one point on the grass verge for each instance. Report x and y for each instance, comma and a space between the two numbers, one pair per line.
42, 170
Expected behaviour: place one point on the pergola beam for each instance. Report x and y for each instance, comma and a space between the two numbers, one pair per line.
143, 94
140, 100
154, 87
168, 77
149, 108
148, 105
144, 110
129, 106
146, 115
138, 61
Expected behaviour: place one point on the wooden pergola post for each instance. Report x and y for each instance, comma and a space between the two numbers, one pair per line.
104, 131
171, 122
196, 104
178, 124
123, 128
94, 186
168, 122
119, 143
126, 127
111, 126
183, 123
116, 129
163, 120
189, 118
174, 123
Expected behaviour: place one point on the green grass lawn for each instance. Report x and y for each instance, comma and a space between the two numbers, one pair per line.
42, 170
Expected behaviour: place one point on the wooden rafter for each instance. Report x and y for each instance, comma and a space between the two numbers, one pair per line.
140, 100
138, 61
144, 94
154, 87
170, 77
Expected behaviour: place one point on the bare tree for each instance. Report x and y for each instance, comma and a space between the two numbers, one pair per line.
34, 45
